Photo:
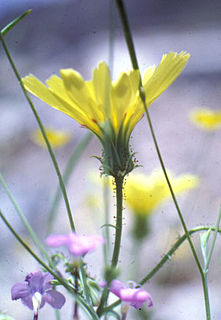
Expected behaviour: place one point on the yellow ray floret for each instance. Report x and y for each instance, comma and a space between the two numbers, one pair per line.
92, 103
206, 118
145, 193
57, 138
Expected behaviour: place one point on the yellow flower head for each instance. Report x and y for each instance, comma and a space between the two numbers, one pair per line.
109, 109
145, 193
57, 138
206, 118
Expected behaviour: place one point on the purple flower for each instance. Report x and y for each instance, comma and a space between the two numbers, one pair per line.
78, 245
134, 297
36, 291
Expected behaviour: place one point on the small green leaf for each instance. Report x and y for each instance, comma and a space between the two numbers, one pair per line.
108, 225
204, 238
11, 24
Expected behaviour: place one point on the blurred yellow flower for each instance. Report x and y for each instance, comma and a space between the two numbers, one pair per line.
109, 109
57, 138
145, 193
206, 118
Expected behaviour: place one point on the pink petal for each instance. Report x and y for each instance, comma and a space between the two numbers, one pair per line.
116, 287
56, 240
136, 297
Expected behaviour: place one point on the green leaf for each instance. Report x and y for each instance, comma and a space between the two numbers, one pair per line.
108, 225
13, 23
204, 238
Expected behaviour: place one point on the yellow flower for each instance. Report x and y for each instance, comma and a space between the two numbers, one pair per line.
57, 138
109, 109
206, 118
145, 193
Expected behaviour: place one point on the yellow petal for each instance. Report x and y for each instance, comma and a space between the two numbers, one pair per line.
206, 118
145, 193
79, 94
102, 84
52, 98
120, 99
158, 80
37, 88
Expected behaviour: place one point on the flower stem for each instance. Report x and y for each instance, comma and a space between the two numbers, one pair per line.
57, 314
131, 49
42, 131
76, 278
117, 242
35, 316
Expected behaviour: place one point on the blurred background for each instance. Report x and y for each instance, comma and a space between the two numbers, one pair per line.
76, 34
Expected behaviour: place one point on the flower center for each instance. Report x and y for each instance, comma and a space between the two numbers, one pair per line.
36, 300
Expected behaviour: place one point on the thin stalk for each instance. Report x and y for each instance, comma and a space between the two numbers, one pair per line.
81, 301
67, 173
165, 258
169, 254
206, 296
24, 220
83, 277
206, 268
42, 131
132, 52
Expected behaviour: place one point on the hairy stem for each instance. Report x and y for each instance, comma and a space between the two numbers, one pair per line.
117, 242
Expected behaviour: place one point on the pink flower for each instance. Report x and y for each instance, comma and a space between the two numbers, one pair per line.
134, 297
78, 245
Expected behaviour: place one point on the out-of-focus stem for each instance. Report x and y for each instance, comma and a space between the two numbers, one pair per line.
24, 220
54, 161
67, 173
